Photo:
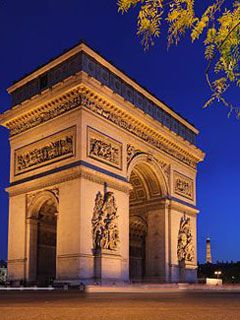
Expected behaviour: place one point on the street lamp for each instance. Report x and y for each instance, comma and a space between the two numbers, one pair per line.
218, 274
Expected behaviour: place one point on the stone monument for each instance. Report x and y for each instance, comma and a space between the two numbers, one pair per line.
102, 180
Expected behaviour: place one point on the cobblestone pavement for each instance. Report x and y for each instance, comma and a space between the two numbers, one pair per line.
124, 306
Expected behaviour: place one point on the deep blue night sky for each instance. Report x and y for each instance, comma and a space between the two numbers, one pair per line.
32, 32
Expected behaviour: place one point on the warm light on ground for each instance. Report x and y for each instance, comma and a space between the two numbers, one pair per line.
74, 305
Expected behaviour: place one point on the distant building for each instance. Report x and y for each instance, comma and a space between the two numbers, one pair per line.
229, 272
208, 251
3, 272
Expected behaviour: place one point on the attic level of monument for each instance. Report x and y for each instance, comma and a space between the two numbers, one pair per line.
82, 59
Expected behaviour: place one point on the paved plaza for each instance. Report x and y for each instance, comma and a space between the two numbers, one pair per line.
75, 305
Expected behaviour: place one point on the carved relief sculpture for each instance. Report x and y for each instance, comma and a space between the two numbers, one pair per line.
183, 185
132, 152
48, 150
185, 248
105, 149
105, 222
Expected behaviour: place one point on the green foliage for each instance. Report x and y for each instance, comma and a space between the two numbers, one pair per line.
180, 18
219, 25
149, 18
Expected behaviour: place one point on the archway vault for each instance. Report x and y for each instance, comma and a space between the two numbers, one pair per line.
147, 178
42, 198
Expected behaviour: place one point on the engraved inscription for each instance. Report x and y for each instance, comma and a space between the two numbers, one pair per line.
46, 151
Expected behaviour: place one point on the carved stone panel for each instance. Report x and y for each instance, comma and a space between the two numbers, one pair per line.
185, 248
46, 151
183, 186
104, 148
105, 222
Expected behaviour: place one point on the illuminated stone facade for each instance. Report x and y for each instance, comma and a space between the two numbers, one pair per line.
103, 178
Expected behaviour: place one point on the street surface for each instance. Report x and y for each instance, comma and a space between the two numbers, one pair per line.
125, 306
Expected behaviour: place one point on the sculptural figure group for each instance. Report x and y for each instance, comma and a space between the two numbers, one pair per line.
104, 222
185, 249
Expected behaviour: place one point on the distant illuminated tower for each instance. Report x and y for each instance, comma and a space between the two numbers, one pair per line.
208, 251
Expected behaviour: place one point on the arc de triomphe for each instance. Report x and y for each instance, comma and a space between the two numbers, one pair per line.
102, 178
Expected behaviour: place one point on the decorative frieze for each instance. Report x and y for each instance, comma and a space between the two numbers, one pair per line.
45, 115
40, 117
104, 148
185, 247
105, 222
46, 151
183, 186
137, 131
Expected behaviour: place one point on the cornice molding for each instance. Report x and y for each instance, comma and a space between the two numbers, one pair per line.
53, 103
127, 122
83, 97
181, 207
164, 203
150, 205
43, 113
67, 175
82, 47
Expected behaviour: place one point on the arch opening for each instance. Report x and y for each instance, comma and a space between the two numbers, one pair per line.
137, 248
147, 189
46, 243
43, 239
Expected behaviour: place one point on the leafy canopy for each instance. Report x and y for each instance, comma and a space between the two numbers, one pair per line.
218, 24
